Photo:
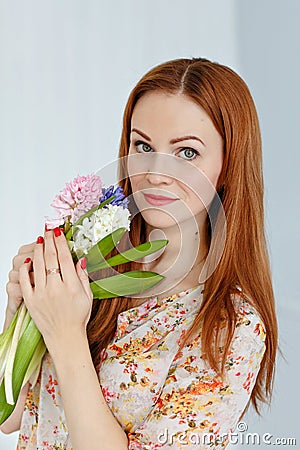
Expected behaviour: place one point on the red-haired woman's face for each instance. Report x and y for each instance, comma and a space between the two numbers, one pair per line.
175, 152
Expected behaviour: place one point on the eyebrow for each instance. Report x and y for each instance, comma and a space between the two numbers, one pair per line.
172, 141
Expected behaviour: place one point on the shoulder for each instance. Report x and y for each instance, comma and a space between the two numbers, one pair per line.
248, 343
243, 356
249, 334
248, 319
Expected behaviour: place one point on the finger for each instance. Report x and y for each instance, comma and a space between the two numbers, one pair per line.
65, 258
13, 276
19, 259
27, 248
83, 277
25, 285
39, 263
50, 258
13, 290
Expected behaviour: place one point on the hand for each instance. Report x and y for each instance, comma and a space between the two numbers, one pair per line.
59, 303
13, 288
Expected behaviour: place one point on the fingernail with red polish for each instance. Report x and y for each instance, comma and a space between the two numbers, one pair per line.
83, 263
27, 260
46, 228
57, 232
40, 240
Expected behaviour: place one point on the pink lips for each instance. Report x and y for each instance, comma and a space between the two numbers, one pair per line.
158, 200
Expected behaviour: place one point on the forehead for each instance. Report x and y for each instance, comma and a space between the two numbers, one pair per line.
159, 108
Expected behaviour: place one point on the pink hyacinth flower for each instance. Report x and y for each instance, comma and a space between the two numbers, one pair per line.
78, 197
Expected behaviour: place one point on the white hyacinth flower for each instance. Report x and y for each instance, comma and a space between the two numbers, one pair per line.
101, 223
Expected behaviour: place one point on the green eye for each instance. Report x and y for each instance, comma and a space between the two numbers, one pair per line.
142, 147
146, 147
190, 153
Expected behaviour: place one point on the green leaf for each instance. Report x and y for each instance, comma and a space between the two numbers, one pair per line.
25, 350
133, 254
11, 355
98, 252
35, 363
124, 284
5, 408
25, 323
5, 337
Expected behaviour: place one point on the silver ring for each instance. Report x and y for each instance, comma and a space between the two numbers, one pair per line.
52, 271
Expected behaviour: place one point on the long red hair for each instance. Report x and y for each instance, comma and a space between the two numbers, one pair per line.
245, 262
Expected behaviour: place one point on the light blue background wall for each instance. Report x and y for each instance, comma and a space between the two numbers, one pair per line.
67, 68
268, 56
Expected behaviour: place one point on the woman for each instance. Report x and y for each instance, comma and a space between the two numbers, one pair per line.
179, 366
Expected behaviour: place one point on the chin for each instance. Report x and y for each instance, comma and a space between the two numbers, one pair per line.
158, 219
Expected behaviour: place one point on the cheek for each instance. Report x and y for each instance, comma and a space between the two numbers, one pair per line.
214, 176
216, 168
136, 181
201, 188
214, 171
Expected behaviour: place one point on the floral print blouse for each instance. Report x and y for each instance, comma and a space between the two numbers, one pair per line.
162, 397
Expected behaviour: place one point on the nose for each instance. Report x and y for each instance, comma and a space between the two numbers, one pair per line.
155, 177
155, 171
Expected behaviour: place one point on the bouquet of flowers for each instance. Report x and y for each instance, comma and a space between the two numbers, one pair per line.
93, 219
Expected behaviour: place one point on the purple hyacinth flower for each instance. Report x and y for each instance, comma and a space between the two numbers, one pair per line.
118, 192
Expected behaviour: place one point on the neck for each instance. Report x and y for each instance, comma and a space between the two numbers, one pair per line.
182, 259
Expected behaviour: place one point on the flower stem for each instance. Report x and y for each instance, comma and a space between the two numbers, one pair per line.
11, 355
